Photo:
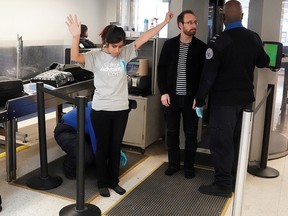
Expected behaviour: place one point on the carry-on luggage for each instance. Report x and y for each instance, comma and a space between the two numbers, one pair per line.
78, 73
54, 78
10, 88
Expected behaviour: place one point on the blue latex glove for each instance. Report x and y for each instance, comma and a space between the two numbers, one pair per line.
199, 111
123, 159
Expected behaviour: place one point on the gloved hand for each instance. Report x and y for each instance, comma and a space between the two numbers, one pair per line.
123, 159
199, 111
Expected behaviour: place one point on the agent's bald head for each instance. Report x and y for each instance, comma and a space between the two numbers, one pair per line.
232, 11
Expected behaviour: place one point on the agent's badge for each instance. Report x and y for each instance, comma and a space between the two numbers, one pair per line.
209, 53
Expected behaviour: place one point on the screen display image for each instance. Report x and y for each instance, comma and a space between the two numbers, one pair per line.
274, 50
271, 50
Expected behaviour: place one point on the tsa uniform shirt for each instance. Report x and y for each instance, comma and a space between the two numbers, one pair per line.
228, 72
110, 78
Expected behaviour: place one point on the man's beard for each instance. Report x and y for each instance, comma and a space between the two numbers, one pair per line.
190, 33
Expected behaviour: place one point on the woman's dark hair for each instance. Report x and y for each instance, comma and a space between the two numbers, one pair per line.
112, 34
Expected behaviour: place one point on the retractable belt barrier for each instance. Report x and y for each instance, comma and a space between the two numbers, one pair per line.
45, 181
26, 105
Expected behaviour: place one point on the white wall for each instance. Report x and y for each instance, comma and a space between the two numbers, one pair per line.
111, 11
177, 7
200, 8
42, 20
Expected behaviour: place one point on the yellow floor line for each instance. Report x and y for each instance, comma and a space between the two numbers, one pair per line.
19, 148
132, 167
223, 213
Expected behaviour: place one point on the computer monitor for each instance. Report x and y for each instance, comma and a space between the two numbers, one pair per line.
274, 50
68, 54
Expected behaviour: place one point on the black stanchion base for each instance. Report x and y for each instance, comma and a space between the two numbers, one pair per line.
267, 172
40, 183
0, 204
89, 210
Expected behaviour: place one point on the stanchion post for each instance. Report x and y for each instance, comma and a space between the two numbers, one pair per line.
267, 127
0, 204
242, 161
42, 132
263, 170
80, 208
44, 182
80, 167
10, 128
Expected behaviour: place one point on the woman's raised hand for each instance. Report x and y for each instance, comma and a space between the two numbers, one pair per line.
169, 16
74, 25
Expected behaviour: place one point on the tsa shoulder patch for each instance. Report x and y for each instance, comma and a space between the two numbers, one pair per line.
209, 53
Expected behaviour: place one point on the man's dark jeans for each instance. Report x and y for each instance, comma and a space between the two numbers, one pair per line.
181, 105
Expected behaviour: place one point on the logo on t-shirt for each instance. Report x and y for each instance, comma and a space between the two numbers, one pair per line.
123, 65
113, 69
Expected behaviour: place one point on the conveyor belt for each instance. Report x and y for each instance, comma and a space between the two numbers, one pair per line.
28, 103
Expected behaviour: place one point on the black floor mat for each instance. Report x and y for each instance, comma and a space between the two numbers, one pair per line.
68, 188
170, 195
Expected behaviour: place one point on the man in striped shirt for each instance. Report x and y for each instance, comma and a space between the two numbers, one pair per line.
179, 70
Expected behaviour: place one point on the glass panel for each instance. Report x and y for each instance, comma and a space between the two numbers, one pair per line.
33, 58
279, 132
245, 8
134, 12
284, 25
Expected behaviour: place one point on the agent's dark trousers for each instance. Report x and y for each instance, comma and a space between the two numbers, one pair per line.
67, 138
109, 127
181, 105
225, 131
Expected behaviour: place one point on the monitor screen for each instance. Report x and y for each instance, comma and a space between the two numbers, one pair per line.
68, 54
274, 50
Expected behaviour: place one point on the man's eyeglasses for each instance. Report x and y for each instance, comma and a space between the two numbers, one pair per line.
191, 22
